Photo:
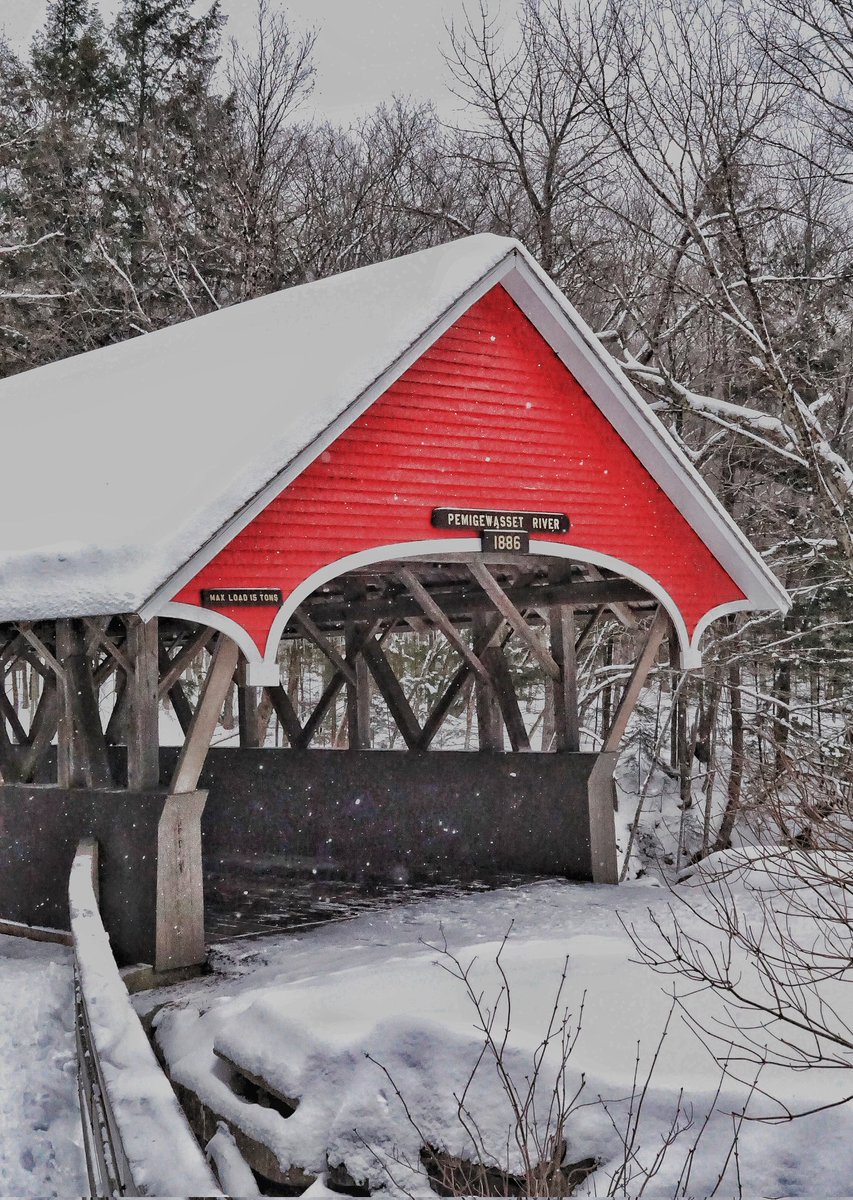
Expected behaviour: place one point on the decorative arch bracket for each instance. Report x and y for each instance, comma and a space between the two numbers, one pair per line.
261, 662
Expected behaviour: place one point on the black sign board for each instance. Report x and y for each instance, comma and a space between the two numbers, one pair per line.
489, 520
234, 596
516, 543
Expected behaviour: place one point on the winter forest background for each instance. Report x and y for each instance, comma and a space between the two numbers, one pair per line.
682, 172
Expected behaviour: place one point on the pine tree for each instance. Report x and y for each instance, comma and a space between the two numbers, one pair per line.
69, 60
71, 81
17, 121
164, 107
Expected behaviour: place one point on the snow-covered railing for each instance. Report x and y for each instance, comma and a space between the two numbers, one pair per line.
138, 1141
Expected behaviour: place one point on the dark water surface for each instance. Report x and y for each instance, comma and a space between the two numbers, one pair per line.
250, 895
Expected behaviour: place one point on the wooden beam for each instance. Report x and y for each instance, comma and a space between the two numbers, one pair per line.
181, 706
65, 722
206, 716
247, 710
54, 662
358, 691
462, 602
490, 733
143, 723
286, 713
11, 649
332, 688
90, 747
116, 730
639, 675
498, 558
104, 670
434, 612
509, 612
42, 729
621, 612
584, 635
459, 684
98, 637
7, 711
507, 700
19, 648
462, 677
565, 691
318, 713
28, 655
91, 628
392, 693
322, 643
547, 732
183, 658
8, 772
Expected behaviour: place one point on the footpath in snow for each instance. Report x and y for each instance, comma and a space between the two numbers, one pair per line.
40, 1134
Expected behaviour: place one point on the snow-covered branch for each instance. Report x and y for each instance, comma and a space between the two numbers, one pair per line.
5, 250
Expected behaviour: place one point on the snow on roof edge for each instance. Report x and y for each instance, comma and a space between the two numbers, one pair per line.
308, 453
130, 577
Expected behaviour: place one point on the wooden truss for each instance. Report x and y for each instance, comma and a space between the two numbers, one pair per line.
478, 607
101, 680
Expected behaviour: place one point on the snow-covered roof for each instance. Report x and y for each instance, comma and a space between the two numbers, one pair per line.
125, 464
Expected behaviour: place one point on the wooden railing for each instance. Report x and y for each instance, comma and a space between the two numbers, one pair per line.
127, 1153
106, 1162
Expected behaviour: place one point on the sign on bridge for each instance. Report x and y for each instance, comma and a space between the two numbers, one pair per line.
501, 529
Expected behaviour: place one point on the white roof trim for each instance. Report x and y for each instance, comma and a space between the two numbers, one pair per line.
609, 389
618, 399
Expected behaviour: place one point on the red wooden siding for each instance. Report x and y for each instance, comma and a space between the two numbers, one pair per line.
488, 417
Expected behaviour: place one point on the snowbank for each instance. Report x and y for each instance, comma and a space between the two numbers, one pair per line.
352, 1021
40, 1135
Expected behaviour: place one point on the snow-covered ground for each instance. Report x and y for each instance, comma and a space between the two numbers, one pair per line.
354, 1019
40, 1134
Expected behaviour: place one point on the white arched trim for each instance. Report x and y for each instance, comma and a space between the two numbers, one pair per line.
722, 610
216, 620
263, 669
444, 547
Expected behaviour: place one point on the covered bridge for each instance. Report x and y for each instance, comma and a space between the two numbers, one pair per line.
434, 443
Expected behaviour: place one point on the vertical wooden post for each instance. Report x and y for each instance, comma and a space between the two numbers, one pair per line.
89, 746
358, 693
116, 730
566, 726
489, 721
143, 732
43, 727
65, 726
247, 710
548, 714
5, 749
682, 750
607, 690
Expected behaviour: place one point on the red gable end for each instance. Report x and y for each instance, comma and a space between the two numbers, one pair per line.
488, 417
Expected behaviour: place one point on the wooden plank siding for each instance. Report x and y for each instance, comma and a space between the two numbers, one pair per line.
487, 417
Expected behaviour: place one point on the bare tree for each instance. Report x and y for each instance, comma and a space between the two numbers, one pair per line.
268, 84
533, 142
